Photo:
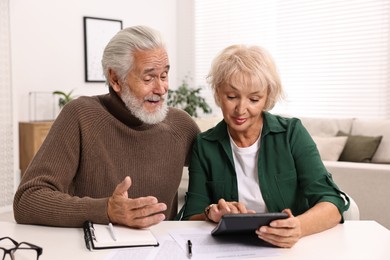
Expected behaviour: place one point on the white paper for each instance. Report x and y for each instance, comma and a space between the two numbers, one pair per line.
124, 236
168, 249
205, 246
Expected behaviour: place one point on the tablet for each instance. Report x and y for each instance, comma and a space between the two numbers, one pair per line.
245, 223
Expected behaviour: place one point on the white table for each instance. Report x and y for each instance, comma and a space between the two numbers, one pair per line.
351, 240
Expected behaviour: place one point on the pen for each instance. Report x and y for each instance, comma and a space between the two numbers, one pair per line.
111, 227
189, 246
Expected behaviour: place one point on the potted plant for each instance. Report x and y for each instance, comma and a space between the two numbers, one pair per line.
188, 99
64, 97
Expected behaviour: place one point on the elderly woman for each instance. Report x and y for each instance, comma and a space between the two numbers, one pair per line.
253, 161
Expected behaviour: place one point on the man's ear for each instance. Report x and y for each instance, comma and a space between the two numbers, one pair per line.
113, 80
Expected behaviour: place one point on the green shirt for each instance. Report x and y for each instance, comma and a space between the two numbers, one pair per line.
291, 173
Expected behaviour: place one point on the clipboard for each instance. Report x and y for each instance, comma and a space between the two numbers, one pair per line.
245, 223
98, 236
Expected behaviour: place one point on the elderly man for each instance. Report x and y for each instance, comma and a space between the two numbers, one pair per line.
116, 157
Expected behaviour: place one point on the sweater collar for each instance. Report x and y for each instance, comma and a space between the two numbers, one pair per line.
118, 109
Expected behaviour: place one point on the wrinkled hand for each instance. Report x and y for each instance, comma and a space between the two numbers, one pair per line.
223, 207
283, 232
139, 213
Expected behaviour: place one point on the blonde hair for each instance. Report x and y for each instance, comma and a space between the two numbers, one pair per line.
252, 63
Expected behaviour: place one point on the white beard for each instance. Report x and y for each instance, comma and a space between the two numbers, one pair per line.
136, 107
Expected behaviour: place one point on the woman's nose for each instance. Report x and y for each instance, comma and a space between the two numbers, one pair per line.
240, 107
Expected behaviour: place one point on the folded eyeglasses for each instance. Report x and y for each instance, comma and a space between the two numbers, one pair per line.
20, 251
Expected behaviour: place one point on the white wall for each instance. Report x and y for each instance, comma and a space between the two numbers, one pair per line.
186, 38
47, 44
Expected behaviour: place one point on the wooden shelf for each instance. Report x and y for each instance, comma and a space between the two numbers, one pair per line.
31, 137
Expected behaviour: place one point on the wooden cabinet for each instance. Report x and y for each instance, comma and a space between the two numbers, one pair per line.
31, 137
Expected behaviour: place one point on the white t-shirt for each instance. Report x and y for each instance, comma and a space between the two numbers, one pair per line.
246, 166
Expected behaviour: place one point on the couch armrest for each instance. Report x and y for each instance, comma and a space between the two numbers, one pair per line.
368, 184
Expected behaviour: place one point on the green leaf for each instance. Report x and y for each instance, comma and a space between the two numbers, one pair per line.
188, 99
64, 97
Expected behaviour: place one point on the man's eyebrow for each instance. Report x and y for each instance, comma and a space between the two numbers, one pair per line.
146, 71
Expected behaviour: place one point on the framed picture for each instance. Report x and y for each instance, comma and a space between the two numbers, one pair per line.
97, 33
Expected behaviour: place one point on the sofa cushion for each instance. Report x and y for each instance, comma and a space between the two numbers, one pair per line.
330, 147
207, 122
326, 126
375, 127
359, 148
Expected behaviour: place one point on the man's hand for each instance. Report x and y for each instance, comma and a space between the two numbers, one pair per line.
139, 213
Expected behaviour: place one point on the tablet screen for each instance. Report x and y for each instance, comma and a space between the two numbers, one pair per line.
245, 223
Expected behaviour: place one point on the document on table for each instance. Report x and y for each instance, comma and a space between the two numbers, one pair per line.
168, 249
204, 247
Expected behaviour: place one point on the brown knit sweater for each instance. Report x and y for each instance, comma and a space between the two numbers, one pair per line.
93, 144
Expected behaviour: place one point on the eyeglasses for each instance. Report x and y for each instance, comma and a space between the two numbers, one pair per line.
21, 251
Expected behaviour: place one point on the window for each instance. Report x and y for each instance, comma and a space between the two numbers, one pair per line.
333, 56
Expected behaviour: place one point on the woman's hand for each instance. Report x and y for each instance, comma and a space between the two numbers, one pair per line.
283, 232
216, 211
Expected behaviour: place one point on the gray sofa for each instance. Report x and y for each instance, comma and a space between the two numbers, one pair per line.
368, 183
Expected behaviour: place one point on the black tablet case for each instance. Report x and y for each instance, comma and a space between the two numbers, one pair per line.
245, 223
